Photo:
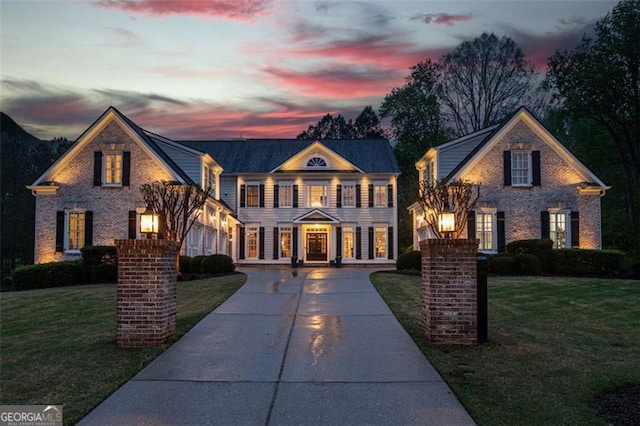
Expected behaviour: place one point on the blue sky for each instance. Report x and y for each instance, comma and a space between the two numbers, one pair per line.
247, 68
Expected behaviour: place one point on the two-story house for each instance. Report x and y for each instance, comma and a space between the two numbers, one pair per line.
274, 200
531, 186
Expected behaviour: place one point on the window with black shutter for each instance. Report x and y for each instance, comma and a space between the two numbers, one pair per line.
133, 225
358, 242
371, 240
500, 226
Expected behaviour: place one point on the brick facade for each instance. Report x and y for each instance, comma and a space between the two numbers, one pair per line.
110, 205
146, 307
449, 291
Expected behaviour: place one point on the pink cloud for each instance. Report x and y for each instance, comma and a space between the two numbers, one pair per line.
441, 18
237, 10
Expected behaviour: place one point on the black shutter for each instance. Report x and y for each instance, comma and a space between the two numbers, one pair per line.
133, 225
390, 242
358, 242
389, 195
535, 168
358, 195
545, 225
261, 242
501, 232
88, 228
507, 167
243, 195
575, 229
338, 240
371, 242
276, 246
338, 196
261, 195
294, 243
126, 168
370, 195
276, 196
97, 168
241, 243
471, 225
60, 231
295, 197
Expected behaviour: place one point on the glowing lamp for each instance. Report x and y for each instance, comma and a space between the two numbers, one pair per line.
149, 223
446, 223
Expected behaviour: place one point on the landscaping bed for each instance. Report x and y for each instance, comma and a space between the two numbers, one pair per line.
59, 345
556, 345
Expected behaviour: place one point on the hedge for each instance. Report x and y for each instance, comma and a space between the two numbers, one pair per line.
575, 262
46, 275
542, 249
217, 264
528, 264
503, 264
195, 264
409, 261
100, 255
184, 262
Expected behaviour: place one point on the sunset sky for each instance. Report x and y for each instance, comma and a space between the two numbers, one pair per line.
211, 69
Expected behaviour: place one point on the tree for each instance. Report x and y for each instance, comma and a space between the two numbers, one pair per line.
458, 196
178, 204
600, 80
483, 81
367, 125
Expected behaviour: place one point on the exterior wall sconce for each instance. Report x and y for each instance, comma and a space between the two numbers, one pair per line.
149, 223
446, 223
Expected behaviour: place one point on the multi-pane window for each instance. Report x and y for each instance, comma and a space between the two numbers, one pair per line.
252, 243
285, 242
381, 242
484, 231
520, 168
429, 172
285, 195
209, 179
316, 162
380, 195
75, 231
253, 195
347, 243
348, 195
317, 195
113, 168
194, 241
558, 229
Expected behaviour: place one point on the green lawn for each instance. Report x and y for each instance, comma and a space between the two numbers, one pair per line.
555, 345
59, 345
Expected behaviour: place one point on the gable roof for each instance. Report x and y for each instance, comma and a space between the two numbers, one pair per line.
475, 145
266, 155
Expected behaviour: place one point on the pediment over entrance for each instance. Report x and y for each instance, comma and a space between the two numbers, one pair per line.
316, 216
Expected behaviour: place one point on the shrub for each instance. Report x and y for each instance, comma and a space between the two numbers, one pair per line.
542, 249
635, 268
409, 260
217, 264
503, 265
528, 264
45, 275
575, 262
105, 273
195, 264
184, 262
99, 255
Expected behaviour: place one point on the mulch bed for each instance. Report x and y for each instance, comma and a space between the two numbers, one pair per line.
620, 407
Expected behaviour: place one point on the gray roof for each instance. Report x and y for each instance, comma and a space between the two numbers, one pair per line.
264, 155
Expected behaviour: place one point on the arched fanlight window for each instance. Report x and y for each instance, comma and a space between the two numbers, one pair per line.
316, 162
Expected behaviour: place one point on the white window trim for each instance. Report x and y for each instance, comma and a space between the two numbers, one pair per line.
567, 226
529, 182
385, 199
246, 241
385, 228
307, 194
246, 194
281, 231
494, 229
285, 184
345, 184
104, 168
66, 230
316, 155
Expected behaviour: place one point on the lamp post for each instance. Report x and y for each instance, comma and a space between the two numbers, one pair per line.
446, 223
149, 223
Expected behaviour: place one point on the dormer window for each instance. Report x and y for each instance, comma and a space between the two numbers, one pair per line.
316, 162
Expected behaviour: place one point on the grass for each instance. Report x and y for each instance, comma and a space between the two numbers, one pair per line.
555, 344
59, 345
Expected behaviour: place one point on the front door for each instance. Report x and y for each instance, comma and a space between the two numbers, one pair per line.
317, 247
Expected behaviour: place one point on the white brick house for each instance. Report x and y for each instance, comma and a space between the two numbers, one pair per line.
274, 198
531, 186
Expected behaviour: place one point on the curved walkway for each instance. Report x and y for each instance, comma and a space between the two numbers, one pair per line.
312, 346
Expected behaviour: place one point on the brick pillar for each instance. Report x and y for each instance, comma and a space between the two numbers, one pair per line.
146, 313
449, 291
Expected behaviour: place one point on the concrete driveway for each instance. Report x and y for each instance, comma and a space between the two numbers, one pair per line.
291, 347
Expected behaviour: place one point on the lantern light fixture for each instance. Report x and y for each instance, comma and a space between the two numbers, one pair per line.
446, 223
149, 223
